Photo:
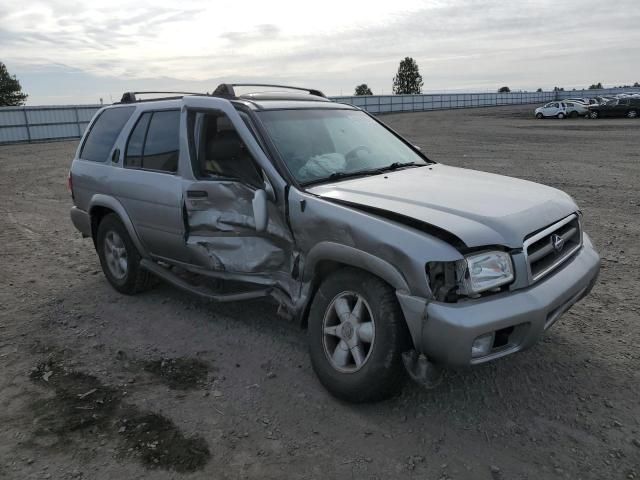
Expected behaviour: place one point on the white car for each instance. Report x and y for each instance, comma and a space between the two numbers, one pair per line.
552, 109
576, 109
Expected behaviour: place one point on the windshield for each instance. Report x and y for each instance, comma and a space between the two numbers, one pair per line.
327, 144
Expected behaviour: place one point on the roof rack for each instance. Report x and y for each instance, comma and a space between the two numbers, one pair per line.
130, 97
227, 90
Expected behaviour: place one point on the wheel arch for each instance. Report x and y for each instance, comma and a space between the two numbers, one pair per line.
103, 205
327, 257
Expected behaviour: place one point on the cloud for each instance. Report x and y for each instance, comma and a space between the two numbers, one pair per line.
259, 33
458, 44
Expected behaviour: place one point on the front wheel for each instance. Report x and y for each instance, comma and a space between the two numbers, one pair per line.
632, 114
357, 335
539, 116
119, 257
594, 115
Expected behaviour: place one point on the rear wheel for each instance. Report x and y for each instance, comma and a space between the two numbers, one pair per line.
357, 335
119, 257
560, 115
594, 114
632, 113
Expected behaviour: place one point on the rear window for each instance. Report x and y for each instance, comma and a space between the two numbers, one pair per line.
104, 132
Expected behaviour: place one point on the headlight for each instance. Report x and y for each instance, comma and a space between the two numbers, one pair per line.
484, 271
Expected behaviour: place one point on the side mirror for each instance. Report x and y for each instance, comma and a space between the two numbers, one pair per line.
260, 211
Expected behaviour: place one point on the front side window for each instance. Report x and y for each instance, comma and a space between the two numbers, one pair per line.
318, 145
154, 143
104, 132
218, 151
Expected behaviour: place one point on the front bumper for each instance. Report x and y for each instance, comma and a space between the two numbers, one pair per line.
446, 331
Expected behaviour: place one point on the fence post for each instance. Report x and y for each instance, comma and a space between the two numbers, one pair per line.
75, 111
26, 123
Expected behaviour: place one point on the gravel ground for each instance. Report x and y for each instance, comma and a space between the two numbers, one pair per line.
162, 385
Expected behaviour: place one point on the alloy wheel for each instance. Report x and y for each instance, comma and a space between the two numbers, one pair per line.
348, 332
115, 253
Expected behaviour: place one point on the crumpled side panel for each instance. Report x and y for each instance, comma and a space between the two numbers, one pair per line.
222, 234
239, 254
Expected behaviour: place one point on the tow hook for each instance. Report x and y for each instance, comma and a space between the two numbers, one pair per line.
421, 370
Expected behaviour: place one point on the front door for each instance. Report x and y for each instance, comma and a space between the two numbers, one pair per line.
228, 168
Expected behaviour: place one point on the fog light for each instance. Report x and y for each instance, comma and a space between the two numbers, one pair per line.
482, 345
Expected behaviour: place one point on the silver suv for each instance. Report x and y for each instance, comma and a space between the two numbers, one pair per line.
394, 262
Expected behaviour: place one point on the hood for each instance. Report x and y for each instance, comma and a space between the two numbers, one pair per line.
477, 207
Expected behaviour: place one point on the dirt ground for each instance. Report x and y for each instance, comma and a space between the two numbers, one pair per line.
97, 385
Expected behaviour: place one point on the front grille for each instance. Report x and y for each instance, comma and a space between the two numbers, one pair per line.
549, 248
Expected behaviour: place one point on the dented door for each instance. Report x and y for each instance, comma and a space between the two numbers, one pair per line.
221, 231
227, 166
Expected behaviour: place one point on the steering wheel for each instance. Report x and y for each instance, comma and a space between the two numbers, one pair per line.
352, 155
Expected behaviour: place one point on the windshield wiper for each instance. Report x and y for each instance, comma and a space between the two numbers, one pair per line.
341, 175
361, 173
357, 173
397, 165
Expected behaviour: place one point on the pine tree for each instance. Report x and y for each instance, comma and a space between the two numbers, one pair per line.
408, 78
10, 90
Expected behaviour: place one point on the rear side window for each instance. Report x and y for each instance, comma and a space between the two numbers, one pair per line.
104, 132
154, 142
133, 157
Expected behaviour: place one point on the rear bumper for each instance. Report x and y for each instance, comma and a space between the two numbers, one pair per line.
448, 330
81, 220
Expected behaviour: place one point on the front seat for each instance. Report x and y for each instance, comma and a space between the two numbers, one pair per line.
227, 156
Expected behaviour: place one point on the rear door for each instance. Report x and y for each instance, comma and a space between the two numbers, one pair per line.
148, 185
228, 168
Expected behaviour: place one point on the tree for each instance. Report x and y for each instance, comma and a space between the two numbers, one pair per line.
363, 90
10, 90
504, 89
408, 78
539, 90
596, 86
636, 84
558, 89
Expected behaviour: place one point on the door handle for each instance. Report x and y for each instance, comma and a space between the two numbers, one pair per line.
197, 194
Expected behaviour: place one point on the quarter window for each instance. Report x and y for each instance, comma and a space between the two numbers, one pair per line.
104, 132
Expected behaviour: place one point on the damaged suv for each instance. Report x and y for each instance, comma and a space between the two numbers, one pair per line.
392, 261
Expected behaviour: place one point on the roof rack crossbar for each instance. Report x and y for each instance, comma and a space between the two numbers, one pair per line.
130, 97
227, 89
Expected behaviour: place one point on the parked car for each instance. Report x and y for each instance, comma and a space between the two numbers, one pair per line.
551, 109
624, 107
393, 262
575, 109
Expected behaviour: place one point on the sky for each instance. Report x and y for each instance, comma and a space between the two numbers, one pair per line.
71, 51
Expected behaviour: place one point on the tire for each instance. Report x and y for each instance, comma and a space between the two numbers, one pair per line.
594, 115
380, 372
119, 257
632, 113
539, 116
560, 115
